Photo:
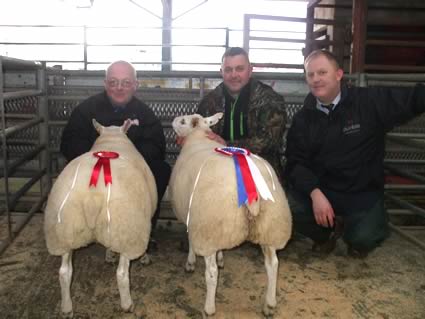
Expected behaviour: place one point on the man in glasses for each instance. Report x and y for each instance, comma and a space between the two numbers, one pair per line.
112, 107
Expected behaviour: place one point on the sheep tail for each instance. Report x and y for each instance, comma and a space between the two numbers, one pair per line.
253, 209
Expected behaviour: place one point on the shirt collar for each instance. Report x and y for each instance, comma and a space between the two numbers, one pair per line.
334, 102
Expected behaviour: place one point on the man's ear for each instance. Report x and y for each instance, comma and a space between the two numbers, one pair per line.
136, 84
339, 74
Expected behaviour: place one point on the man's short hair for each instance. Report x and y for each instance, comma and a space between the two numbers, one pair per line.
233, 51
328, 55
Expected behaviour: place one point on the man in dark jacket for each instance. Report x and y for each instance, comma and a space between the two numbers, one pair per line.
254, 114
335, 152
112, 107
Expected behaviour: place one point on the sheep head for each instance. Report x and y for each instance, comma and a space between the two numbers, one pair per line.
185, 124
123, 128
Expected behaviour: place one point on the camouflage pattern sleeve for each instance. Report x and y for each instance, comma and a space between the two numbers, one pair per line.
211, 104
266, 121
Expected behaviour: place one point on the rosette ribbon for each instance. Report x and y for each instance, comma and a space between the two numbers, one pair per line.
103, 161
248, 176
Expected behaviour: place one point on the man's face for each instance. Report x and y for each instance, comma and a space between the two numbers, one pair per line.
323, 78
236, 72
120, 83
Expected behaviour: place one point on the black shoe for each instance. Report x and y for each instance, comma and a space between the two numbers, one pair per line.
152, 246
356, 253
326, 247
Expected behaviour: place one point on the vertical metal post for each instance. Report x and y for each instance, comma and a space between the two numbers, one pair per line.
166, 34
5, 155
309, 28
246, 31
201, 87
227, 43
85, 46
43, 112
362, 81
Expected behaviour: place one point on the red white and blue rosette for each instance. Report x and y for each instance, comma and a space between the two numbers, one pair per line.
248, 176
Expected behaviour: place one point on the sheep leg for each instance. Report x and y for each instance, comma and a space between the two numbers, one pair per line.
145, 260
211, 275
271, 262
65, 277
124, 284
191, 260
220, 259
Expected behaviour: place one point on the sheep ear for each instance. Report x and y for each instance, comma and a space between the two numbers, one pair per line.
128, 123
212, 120
97, 126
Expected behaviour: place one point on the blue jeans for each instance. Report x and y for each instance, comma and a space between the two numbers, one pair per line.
363, 215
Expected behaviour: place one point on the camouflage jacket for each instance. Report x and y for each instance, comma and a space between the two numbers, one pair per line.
266, 120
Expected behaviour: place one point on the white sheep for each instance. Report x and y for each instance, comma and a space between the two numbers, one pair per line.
204, 196
117, 215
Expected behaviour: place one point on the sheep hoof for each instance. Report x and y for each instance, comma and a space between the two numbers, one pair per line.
189, 268
129, 309
111, 257
268, 311
207, 315
68, 315
145, 260
220, 264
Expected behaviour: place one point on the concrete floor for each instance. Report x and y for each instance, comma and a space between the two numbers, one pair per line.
390, 283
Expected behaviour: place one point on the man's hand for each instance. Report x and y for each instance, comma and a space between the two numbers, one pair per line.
180, 140
323, 211
212, 136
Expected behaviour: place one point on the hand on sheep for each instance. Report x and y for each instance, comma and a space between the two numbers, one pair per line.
180, 140
211, 135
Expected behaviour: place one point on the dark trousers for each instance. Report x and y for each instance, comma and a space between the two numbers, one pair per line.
363, 215
161, 171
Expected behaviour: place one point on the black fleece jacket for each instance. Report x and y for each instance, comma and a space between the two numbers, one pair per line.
79, 133
344, 151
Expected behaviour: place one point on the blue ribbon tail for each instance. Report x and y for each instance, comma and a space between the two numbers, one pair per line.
242, 195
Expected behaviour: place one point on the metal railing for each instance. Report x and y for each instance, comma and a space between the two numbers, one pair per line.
7, 130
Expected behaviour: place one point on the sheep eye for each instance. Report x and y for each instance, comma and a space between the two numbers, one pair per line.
183, 122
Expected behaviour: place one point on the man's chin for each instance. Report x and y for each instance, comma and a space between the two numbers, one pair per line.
120, 102
234, 89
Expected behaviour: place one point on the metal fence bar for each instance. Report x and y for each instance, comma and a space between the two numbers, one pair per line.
404, 173
19, 94
27, 157
14, 129
407, 236
15, 197
405, 204
21, 224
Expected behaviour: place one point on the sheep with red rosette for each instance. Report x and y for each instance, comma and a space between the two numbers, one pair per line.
107, 195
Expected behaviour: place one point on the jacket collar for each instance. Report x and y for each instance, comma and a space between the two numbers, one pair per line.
310, 101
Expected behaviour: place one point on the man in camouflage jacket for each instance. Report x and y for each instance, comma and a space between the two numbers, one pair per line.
254, 114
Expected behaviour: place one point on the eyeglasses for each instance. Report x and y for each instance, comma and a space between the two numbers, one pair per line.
126, 83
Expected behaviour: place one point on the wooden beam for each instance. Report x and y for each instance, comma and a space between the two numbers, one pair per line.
359, 35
